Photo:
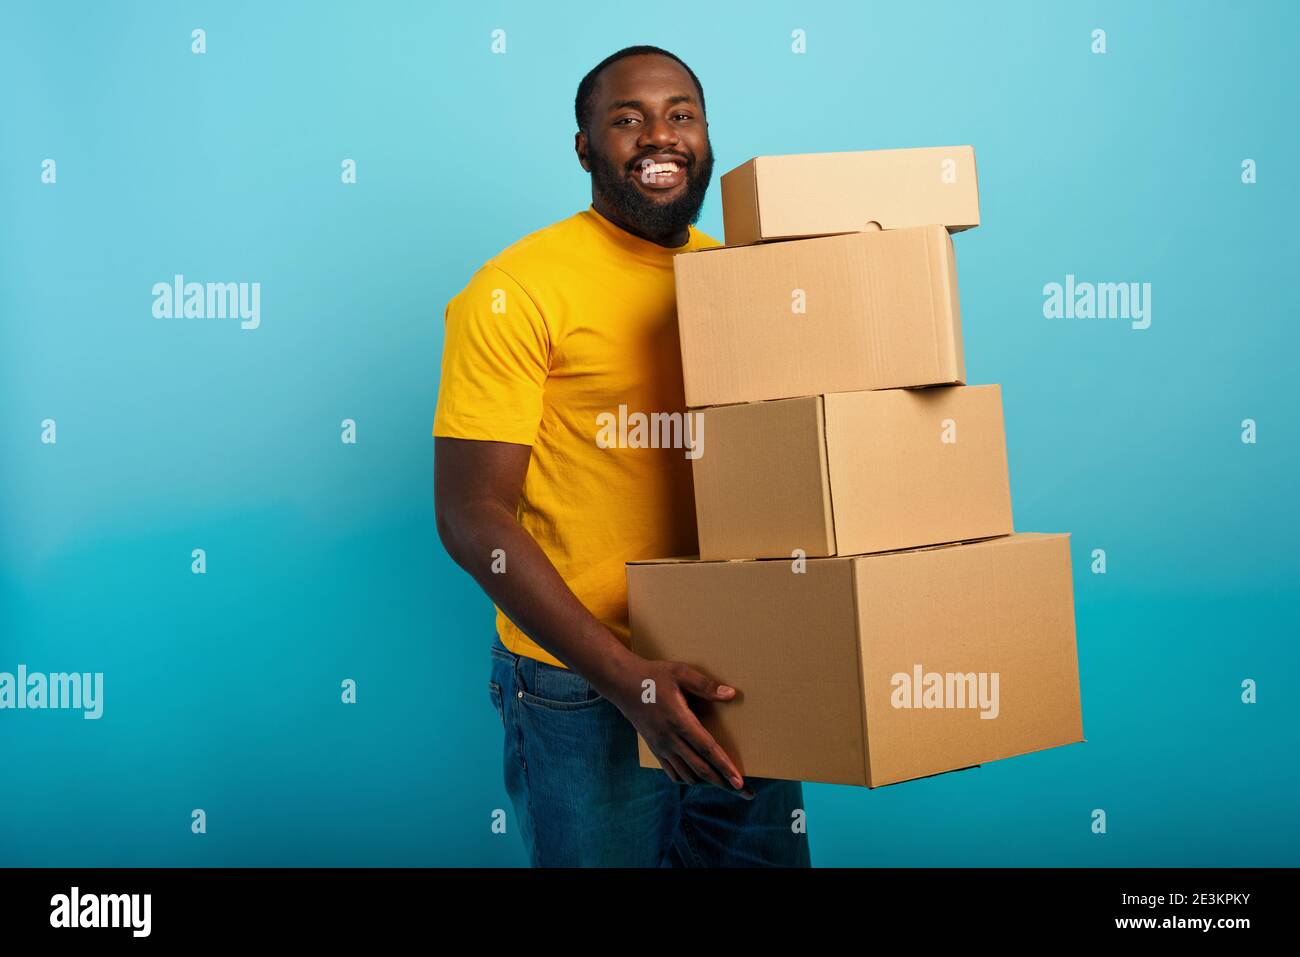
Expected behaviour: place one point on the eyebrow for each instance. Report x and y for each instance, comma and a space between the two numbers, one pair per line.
639, 105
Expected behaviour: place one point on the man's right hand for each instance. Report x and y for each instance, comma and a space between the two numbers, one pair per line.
686, 750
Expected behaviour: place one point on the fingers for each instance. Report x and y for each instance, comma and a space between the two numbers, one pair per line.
699, 766
716, 766
666, 763
693, 756
683, 764
680, 773
702, 686
702, 744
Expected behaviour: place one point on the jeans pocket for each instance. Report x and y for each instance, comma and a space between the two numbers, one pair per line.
494, 692
555, 689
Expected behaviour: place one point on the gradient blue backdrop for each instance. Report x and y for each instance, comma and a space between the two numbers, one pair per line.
222, 691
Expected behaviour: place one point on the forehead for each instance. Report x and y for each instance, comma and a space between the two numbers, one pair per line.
645, 77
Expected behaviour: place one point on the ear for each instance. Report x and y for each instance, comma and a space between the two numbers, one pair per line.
580, 147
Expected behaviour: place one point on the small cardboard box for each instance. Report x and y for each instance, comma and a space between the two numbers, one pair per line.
863, 311
816, 194
873, 669
852, 472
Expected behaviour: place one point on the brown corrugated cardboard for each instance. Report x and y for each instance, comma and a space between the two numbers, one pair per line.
873, 669
863, 311
816, 194
852, 472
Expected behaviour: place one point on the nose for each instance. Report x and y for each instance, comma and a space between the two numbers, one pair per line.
657, 132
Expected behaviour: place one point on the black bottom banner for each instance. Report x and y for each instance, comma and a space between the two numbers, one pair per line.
365, 905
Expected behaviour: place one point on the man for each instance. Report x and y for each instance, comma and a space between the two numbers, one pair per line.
550, 336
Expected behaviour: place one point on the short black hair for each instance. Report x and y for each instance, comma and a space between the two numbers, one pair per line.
587, 88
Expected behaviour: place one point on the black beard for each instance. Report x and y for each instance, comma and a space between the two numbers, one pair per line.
634, 207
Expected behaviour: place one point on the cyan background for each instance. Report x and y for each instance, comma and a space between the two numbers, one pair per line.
222, 691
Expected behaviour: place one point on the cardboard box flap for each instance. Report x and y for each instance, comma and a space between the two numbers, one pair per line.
790, 651
863, 671
765, 458
895, 482
993, 541
930, 697
740, 218
947, 322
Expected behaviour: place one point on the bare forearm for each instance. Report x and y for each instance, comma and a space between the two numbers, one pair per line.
523, 583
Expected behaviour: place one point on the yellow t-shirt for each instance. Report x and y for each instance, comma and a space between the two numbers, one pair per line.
544, 345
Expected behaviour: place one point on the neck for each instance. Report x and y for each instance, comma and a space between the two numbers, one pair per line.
670, 240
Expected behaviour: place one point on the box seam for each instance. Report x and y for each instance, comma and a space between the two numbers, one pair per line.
934, 299
861, 676
832, 535
952, 304
758, 209
681, 335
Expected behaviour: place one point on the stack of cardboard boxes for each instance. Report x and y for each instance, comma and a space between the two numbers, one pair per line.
859, 578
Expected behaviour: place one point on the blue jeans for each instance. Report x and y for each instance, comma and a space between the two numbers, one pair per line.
581, 797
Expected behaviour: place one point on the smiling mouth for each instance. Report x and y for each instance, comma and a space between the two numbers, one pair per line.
660, 175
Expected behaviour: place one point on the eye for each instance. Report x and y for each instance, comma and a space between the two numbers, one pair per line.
622, 120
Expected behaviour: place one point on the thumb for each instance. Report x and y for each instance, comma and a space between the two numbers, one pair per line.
702, 686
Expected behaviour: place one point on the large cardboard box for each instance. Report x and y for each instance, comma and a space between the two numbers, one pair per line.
852, 472
863, 311
873, 669
815, 194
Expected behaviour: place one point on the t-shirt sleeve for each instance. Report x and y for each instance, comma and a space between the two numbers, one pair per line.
495, 357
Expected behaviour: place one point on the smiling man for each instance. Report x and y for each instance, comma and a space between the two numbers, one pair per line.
551, 337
